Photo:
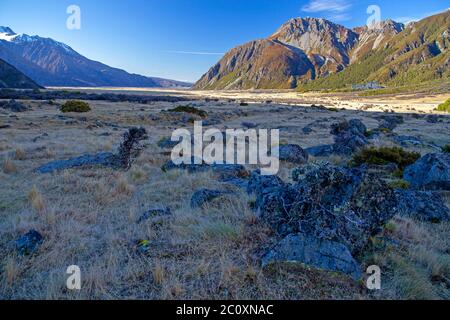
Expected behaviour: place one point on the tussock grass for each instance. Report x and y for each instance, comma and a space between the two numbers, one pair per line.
8, 166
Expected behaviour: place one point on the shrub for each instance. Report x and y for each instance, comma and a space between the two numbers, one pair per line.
192, 110
399, 184
75, 106
446, 148
444, 106
385, 155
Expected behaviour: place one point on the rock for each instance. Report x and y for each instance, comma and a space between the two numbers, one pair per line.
432, 118
328, 202
293, 153
128, 150
318, 253
320, 151
431, 172
422, 205
390, 122
237, 182
350, 136
152, 213
29, 243
100, 159
13, 105
167, 143
307, 130
223, 171
200, 197
249, 125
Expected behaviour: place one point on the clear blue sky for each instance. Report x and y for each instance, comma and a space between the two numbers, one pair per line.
181, 39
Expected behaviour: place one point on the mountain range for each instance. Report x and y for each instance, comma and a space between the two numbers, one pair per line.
316, 53
10, 77
52, 63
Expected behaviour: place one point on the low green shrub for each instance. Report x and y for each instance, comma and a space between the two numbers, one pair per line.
191, 110
75, 106
385, 155
444, 106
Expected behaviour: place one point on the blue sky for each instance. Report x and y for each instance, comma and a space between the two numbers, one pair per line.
181, 39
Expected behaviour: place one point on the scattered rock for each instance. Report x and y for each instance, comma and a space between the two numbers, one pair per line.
307, 130
200, 197
350, 136
100, 159
422, 205
29, 243
13, 105
249, 125
390, 122
320, 151
431, 172
293, 153
128, 150
322, 254
152, 213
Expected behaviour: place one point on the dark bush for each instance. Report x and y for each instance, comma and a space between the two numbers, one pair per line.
75, 106
191, 110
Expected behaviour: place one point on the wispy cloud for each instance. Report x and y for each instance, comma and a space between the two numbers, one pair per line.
336, 10
407, 20
327, 5
198, 53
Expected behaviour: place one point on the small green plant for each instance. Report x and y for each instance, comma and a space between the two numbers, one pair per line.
399, 184
446, 148
75, 106
385, 155
444, 106
192, 110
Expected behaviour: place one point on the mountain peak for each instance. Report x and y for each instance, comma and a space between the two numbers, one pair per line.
7, 34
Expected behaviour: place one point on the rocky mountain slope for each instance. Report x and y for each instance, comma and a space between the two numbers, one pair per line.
10, 77
52, 63
306, 52
418, 54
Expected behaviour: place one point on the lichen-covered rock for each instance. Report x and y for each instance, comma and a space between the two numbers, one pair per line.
431, 172
328, 202
29, 243
349, 136
13, 105
422, 205
293, 153
321, 254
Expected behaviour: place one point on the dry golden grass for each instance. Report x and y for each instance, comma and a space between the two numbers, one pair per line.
88, 217
8, 166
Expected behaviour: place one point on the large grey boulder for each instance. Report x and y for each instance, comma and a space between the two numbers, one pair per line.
330, 203
431, 172
321, 254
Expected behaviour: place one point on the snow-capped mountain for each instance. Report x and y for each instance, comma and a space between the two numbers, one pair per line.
52, 63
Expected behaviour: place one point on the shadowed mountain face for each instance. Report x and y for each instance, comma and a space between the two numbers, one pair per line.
10, 77
306, 49
53, 63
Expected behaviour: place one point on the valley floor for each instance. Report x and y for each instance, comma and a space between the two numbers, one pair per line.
88, 216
